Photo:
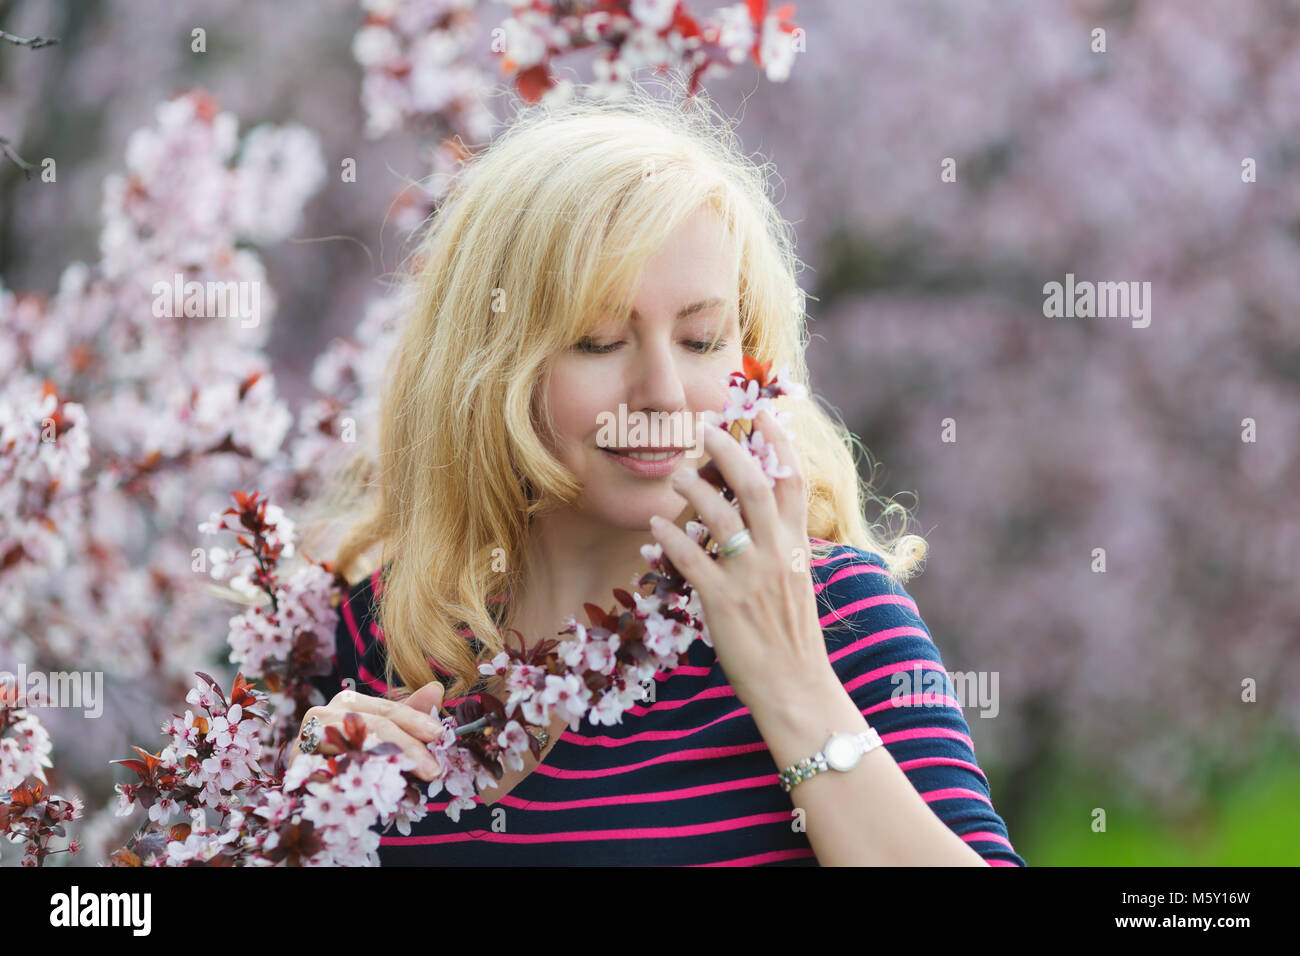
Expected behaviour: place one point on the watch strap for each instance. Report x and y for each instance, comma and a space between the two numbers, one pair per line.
797, 773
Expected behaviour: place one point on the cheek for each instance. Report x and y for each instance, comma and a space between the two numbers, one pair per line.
576, 403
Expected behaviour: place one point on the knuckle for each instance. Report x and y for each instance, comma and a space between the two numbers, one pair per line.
344, 698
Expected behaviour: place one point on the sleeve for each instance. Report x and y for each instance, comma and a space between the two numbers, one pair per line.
882, 652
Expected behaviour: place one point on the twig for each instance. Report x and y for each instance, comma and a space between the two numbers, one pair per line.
34, 43
18, 161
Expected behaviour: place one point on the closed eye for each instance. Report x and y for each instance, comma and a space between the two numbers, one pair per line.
590, 347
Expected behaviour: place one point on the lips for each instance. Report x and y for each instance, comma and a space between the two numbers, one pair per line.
647, 469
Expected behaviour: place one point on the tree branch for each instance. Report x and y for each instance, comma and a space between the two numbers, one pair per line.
34, 43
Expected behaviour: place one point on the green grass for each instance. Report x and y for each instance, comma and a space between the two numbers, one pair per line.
1252, 821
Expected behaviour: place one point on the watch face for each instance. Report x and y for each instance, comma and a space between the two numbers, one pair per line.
841, 752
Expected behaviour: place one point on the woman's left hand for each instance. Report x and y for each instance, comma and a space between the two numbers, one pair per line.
759, 605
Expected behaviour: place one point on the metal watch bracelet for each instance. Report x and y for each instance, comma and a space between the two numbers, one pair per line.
797, 773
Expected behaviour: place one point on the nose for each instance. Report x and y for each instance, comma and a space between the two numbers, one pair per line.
655, 382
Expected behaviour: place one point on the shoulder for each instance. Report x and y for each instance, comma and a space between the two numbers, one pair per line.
855, 590
873, 628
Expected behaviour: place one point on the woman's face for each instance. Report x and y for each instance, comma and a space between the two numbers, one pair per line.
657, 364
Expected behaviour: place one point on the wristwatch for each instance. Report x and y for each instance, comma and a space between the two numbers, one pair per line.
842, 752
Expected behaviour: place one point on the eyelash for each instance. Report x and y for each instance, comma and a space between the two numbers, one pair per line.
586, 345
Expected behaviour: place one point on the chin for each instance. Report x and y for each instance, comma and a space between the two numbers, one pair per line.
633, 513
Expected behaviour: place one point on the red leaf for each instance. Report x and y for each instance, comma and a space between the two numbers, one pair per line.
595, 614
533, 82
136, 765
759, 371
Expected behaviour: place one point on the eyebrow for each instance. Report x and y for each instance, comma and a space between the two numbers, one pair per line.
691, 309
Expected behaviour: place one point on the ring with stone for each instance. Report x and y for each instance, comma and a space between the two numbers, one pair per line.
309, 738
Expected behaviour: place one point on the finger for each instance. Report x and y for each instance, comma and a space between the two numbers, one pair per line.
744, 476
392, 732
790, 494
415, 722
720, 515
427, 700
686, 554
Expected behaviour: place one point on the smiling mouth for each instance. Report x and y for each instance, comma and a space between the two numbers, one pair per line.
646, 454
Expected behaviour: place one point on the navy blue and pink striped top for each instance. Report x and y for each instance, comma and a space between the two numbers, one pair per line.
686, 779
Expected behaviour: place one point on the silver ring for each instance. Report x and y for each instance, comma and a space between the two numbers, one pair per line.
736, 544
309, 738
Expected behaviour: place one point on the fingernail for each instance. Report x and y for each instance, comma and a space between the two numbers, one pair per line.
431, 726
431, 768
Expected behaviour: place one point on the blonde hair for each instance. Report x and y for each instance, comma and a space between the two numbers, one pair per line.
539, 234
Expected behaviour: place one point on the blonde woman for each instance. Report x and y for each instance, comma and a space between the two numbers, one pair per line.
621, 259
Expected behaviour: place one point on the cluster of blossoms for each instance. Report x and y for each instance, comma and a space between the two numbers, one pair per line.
44, 448
286, 637
318, 812
598, 672
659, 34
413, 52
27, 814
24, 742
169, 408
224, 755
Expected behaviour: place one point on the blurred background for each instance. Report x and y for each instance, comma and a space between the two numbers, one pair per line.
941, 162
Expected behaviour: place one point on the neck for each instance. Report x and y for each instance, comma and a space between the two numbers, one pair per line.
568, 561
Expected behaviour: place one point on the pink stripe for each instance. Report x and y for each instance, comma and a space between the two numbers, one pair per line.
652, 796
577, 836
818, 562
922, 733
604, 740
954, 793
377, 582
709, 693
371, 679
875, 638
686, 670
697, 753
993, 862
988, 835
847, 572
377, 632
924, 663
914, 700
920, 762
758, 858
853, 607
352, 628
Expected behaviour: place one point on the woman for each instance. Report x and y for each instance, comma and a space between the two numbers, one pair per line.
620, 259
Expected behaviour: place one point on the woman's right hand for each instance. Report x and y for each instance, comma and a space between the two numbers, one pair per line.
404, 722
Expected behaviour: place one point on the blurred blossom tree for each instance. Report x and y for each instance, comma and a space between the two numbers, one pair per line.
943, 162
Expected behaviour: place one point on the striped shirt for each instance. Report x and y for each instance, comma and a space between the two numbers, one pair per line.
686, 779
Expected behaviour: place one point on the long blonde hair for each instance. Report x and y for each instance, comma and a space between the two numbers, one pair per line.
539, 234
